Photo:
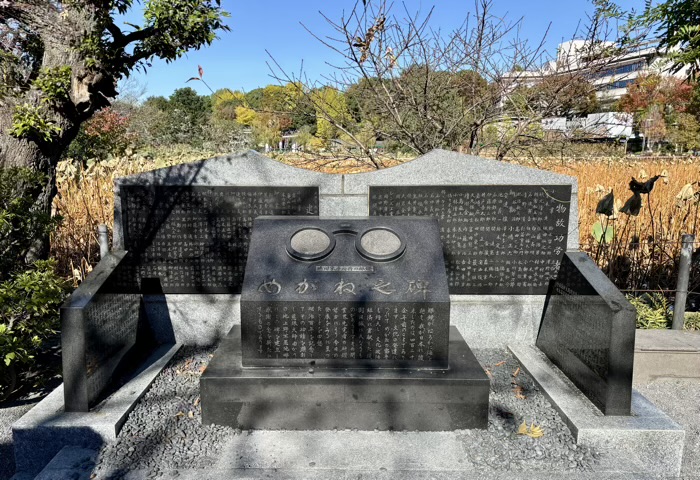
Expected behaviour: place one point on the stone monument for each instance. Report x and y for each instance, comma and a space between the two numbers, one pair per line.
345, 323
509, 275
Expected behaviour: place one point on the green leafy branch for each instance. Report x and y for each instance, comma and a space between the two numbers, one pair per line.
54, 84
28, 122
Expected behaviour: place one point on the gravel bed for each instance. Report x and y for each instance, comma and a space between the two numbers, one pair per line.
164, 432
165, 428
500, 448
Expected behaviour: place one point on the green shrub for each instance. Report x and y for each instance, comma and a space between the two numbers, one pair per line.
692, 321
20, 222
652, 311
29, 304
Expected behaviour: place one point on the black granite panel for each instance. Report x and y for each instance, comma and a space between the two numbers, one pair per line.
345, 334
497, 239
349, 307
98, 328
300, 398
587, 330
195, 238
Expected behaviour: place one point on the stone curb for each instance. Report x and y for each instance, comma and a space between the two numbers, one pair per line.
648, 434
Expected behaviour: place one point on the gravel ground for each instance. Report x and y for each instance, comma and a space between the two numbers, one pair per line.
9, 413
165, 429
678, 398
165, 433
500, 447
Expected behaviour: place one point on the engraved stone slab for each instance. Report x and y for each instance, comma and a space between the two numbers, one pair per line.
588, 331
355, 292
300, 398
98, 327
497, 239
195, 238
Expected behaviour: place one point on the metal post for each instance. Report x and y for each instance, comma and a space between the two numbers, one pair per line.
103, 240
682, 286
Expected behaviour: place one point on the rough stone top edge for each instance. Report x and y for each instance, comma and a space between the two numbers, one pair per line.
600, 282
442, 167
82, 295
244, 168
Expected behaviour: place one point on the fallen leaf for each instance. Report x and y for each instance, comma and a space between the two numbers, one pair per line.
488, 372
516, 372
519, 393
534, 431
196, 402
522, 429
190, 414
179, 414
500, 363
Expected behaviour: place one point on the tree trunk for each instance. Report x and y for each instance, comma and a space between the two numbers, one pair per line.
21, 153
41, 157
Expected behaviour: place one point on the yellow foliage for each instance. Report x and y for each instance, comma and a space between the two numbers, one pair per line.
245, 116
330, 103
225, 95
317, 143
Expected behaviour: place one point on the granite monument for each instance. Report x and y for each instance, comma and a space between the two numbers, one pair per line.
343, 320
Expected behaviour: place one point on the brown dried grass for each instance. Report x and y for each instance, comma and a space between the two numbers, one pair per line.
645, 249
85, 200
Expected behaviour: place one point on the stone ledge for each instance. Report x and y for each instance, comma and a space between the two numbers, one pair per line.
667, 341
43, 431
649, 435
666, 354
71, 463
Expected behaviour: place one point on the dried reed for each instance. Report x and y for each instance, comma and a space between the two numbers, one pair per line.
642, 254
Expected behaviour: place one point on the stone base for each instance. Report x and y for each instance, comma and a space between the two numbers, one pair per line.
43, 431
647, 436
307, 398
666, 354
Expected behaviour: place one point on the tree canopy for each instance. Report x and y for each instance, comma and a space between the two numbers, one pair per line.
60, 63
678, 27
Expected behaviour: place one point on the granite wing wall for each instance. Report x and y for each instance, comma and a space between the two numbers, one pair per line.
588, 331
99, 325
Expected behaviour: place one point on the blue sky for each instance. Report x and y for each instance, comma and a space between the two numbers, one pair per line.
237, 60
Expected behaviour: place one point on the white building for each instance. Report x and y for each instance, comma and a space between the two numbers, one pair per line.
595, 125
610, 72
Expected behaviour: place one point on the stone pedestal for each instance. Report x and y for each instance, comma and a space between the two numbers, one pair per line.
308, 398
